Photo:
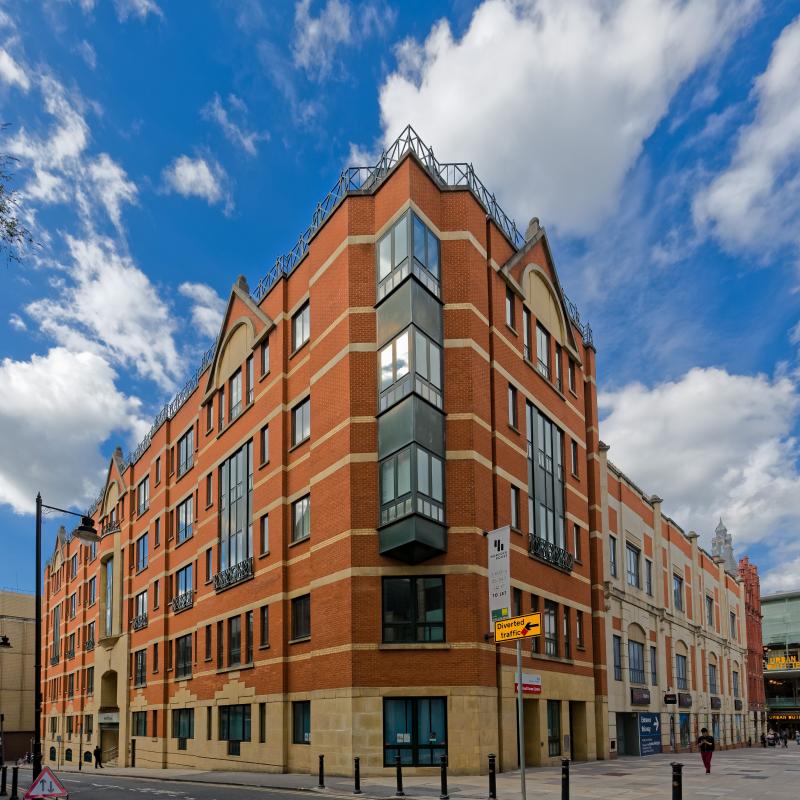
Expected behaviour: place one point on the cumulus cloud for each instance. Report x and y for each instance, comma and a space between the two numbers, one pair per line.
755, 201
711, 444
207, 307
11, 72
572, 92
16, 321
112, 186
136, 8
238, 134
55, 412
198, 177
316, 39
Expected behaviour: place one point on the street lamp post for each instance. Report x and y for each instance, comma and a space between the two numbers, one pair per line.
86, 534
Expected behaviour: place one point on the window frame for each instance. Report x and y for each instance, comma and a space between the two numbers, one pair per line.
185, 452
184, 519
301, 326
301, 722
633, 566
301, 422
301, 519
183, 657
415, 621
300, 619
636, 662
414, 751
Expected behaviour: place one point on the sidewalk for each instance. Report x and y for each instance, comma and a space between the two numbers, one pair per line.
736, 775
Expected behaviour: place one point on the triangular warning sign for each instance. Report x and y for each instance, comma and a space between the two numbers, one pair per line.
46, 785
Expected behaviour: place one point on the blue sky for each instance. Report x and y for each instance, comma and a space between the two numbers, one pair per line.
164, 149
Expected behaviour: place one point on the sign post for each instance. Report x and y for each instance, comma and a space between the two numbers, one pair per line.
520, 720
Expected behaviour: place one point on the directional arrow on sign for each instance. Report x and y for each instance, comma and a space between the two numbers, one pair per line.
656, 724
521, 627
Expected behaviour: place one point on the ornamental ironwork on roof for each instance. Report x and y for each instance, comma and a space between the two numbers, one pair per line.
355, 181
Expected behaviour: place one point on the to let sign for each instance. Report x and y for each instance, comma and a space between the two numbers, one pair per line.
499, 574
506, 630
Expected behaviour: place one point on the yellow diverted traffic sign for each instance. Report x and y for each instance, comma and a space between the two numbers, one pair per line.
523, 627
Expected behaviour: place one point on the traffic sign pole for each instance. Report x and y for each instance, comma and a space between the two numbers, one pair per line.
520, 721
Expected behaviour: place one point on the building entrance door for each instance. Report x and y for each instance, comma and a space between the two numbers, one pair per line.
628, 734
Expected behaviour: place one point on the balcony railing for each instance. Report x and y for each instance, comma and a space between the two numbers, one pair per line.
182, 601
88, 645
112, 527
139, 622
551, 553
69, 653
236, 573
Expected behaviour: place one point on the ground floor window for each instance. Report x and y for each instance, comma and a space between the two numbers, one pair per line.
414, 728
139, 723
715, 727
234, 726
182, 726
738, 726
685, 729
301, 722
554, 727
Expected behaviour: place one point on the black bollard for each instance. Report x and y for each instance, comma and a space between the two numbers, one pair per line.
564, 779
321, 784
357, 775
492, 777
677, 781
3, 773
399, 769
443, 768
14, 780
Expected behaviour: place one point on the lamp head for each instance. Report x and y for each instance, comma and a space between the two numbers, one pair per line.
86, 533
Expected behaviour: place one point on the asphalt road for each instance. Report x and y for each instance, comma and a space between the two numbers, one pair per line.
92, 786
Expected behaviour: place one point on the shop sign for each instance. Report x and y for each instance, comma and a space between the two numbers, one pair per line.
640, 697
716, 702
784, 717
531, 684
684, 700
108, 717
782, 662
670, 699
737, 705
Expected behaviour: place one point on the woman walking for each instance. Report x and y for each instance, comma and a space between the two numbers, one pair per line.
705, 744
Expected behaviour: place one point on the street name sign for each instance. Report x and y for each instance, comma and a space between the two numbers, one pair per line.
523, 627
46, 785
499, 542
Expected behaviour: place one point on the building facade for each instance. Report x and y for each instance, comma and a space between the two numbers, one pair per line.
293, 562
16, 672
676, 635
781, 632
755, 647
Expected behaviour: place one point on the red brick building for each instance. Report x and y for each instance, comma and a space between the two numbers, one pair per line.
755, 649
293, 560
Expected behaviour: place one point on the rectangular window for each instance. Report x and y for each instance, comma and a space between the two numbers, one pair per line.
221, 407
140, 668
636, 662
394, 361
653, 666
301, 422
301, 617
264, 444
208, 643
414, 728
735, 680
234, 641
155, 722
248, 632
263, 618
513, 418
617, 642
209, 416
139, 723
209, 565
301, 518
542, 351
648, 576
209, 490
262, 722
183, 656
510, 316
567, 629
576, 538
141, 553
579, 634
571, 374
140, 604
220, 644
557, 369
185, 451
155, 657
677, 592
251, 392
183, 581
515, 522
550, 628
526, 334
546, 479
733, 625
143, 496
183, 725
264, 358
185, 516
264, 534
681, 672
158, 469
235, 485
157, 532
554, 727
632, 556
235, 395
301, 722
574, 457
234, 726
109, 600
413, 609
712, 679
397, 492
425, 246
301, 326
612, 555
709, 611
156, 594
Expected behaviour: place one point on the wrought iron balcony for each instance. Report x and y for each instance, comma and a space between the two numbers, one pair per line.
551, 553
236, 573
88, 645
182, 601
112, 527
69, 654
139, 622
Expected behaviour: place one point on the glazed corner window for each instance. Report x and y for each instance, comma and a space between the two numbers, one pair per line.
513, 418
301, 519
235, 395
400, 497
185, 515
142, 497
393, 255
612, 555
414, 728
677, 592
510, 316
710, 611
301, 722
185, 451
543, 351
301, 617
632, 557
412, 348
141, 553
413, 609
301, 421
301, 326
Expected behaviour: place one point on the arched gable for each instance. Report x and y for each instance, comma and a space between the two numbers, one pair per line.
541, 296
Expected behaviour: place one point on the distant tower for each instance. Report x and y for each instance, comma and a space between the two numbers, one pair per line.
722, 547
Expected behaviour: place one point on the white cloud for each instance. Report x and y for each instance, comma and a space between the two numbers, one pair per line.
555, 100
106, 305
207, 307
755, 201
112, 186
196, 177
16, 321
11, 72
711, 444
56, 411
136, 8
87, 53
316, 39
215, 110
783, 578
